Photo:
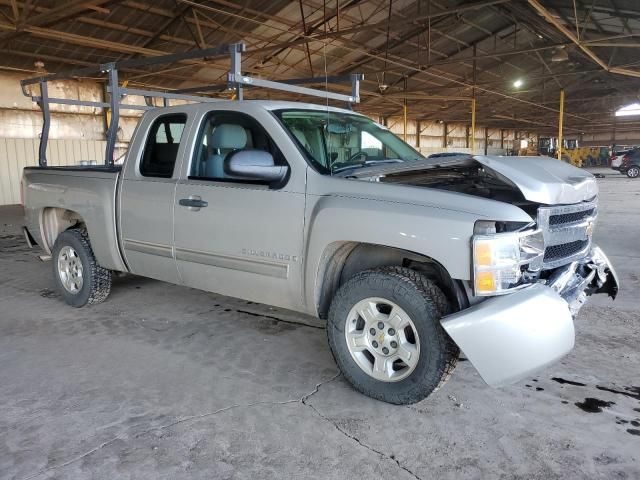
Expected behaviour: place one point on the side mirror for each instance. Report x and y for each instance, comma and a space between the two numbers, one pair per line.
254, 165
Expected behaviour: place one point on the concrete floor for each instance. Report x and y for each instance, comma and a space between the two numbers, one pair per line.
167, 382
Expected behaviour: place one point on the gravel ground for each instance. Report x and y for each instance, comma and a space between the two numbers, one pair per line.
168, 382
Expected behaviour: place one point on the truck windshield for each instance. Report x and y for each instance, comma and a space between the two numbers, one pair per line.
338, 142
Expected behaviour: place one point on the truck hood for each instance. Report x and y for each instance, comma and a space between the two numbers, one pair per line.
542, 180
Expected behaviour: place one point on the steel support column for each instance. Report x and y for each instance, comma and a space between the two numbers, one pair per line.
444, 135
486, 140
404, 112
560, 124
473, 125
473, 101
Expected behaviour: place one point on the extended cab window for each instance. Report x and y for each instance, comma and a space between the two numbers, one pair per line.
161, 149
221, 135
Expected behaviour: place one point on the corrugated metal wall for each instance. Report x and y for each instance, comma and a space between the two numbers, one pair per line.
431, 138
17, 153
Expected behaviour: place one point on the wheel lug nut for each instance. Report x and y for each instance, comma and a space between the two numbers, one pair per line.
385, 350
394, 344
372, 331
391, 331
381, 325
375, 344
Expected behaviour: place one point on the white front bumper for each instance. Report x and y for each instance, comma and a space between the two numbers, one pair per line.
510, 337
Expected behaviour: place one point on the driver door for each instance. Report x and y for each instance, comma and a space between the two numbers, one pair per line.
242, 238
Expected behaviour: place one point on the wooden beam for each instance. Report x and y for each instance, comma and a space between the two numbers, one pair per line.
201, 42
104, 24
64, 11
585, 49
16, 12
61, 36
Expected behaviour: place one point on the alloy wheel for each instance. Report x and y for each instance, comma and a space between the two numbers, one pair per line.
70, 269
382, 339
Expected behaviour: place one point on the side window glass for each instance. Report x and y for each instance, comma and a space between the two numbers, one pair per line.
161, 148
222, 134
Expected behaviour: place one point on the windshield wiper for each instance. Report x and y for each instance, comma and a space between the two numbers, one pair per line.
366, 163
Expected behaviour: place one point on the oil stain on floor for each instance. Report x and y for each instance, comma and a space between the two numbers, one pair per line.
593, 405
597, 405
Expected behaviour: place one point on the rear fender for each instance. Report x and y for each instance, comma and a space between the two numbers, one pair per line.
54, 221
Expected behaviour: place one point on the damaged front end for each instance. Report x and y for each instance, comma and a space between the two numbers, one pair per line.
536, 279
578, 280
528, 279
510, 337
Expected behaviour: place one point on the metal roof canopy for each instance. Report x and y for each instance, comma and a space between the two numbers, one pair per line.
235, 79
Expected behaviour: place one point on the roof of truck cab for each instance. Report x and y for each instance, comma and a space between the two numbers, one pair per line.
267, 105
282, 105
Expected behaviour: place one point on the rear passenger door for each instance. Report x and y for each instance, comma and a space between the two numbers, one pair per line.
245, 237
147, 196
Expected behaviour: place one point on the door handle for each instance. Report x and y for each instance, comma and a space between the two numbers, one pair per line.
194, 202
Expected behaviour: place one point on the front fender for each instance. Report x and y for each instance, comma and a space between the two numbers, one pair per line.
440, 234
428, 222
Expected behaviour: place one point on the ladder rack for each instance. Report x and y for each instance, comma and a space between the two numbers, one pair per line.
235, 80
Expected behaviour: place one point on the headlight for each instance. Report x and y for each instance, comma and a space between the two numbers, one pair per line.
499, 260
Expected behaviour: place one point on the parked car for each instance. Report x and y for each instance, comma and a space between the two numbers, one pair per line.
616, 159
409, 259
630, 163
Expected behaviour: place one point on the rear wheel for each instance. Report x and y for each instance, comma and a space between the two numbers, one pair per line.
633, 172
384, 332
78, 277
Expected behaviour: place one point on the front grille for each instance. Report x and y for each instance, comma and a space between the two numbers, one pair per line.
564, 250
572, 217
567, 232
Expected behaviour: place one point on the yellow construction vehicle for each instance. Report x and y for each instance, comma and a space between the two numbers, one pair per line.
586, 156
574, 154
531, 150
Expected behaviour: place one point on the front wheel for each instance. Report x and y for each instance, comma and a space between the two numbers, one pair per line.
78, 277
633, 172
384, 332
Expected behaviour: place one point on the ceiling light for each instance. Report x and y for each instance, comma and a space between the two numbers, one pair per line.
518, 83
629, 110
560, 55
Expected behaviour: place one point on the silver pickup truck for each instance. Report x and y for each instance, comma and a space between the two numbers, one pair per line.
323, 211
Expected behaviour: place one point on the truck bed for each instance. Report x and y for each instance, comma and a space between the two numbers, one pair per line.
56, 197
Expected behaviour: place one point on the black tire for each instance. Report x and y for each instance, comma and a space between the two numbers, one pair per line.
425, 304
96, 283
633, 172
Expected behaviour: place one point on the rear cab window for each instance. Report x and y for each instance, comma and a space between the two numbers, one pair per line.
161, 147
